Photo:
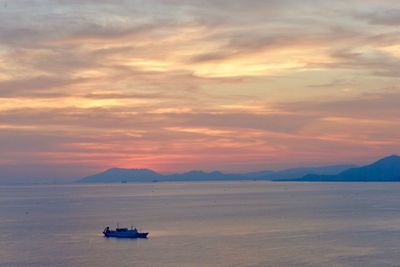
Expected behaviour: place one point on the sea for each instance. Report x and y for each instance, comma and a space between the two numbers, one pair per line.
241, 223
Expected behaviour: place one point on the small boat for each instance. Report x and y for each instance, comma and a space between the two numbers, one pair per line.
124, 233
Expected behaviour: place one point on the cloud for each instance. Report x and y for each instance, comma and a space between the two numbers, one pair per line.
376, 62
381, 106
42, 86
387, 17
177, 84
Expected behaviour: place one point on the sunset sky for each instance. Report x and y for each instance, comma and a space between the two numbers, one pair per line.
178, 85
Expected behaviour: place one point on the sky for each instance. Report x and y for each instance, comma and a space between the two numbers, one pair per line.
209, 84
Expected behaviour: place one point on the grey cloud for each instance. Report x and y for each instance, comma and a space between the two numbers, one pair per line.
42, 86
376, 62
387, 17
241, 43
335, 83
379, 106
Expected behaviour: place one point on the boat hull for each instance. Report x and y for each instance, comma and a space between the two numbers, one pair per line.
125, 235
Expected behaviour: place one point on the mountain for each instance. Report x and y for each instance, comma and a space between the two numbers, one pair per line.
204, 176
118, 174
115, 175
300, 172
383, 170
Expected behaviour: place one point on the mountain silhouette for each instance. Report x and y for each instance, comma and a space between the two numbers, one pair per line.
384, 170
114, 175
119, 174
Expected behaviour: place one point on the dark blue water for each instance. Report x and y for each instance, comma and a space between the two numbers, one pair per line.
202, 224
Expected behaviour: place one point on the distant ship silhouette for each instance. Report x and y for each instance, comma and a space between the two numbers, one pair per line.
124, 233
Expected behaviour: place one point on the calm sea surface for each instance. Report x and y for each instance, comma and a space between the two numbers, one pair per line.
202, 224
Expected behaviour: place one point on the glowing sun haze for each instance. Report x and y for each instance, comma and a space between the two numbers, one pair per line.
180, 85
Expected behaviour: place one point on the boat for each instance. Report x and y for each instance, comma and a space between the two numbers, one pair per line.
124, 233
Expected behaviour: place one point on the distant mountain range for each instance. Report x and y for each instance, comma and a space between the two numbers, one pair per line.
386, 169
114, 175
383, 170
